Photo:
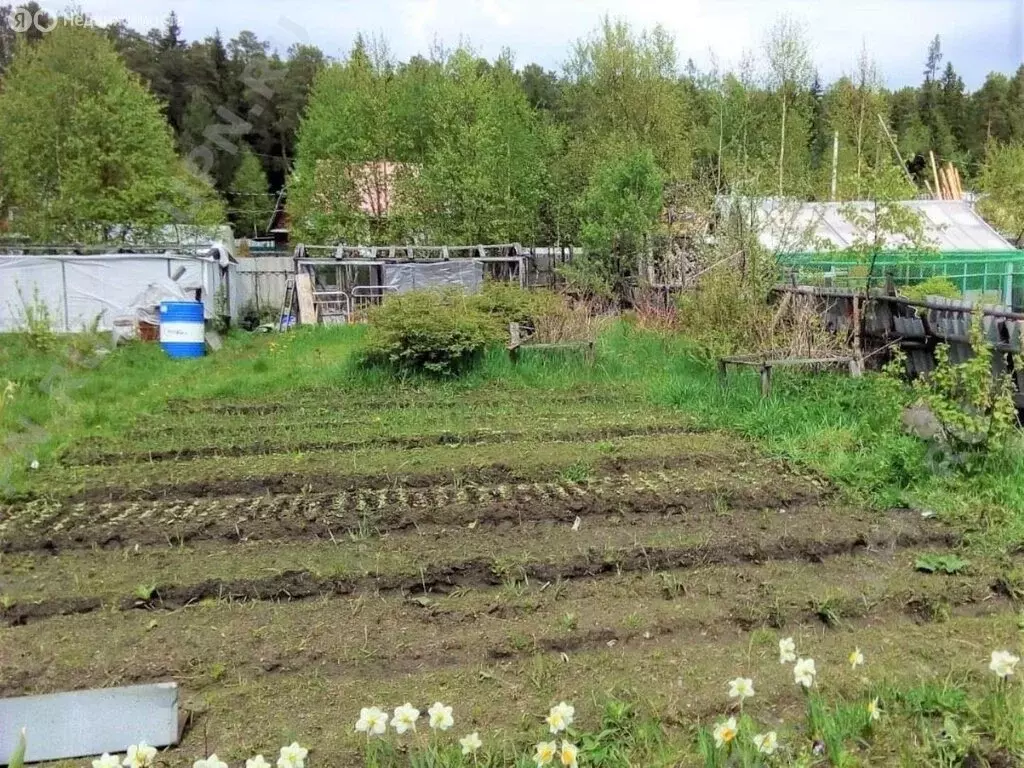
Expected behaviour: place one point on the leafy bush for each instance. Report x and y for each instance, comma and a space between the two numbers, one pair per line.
975, 410
436, 332
933, 286
509, 303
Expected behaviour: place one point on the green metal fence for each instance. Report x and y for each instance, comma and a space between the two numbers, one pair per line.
995, 275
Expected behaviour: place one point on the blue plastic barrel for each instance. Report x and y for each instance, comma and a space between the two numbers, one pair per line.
182, 331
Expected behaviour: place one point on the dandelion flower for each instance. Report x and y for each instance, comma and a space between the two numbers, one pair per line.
106, 761
725, 732
372, 720
140, 755
560, 717
856, 658
257, 762
741, 688
545, 754
804, 672
440, 716
1003, 663
569, 755
787, 651
211, 762
874, 713
292, 756
405, 718
766, 743
470, 744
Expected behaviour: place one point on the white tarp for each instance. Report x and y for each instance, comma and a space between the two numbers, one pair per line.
792, 226
80, 290
465, 274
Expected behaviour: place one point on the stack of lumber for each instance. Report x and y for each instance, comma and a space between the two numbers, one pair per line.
946, 177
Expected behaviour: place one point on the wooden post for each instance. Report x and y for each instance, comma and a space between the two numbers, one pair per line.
935, 174
723, 372
766, 380
515, 339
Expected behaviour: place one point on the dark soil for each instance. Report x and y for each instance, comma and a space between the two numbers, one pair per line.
258, 448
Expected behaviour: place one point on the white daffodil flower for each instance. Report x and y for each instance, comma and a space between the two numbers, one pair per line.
440, 716
107, 761
560, 717
766, 743
725, 732
741, 688
1003, 663
257, 762
787, 651
856, 658
804, 672
372, 720
471, 743
874, 712
140, 755
292, 756
545, 753
569, 755
405, 718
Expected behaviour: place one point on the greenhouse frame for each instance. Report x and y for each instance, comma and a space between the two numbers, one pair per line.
814, 241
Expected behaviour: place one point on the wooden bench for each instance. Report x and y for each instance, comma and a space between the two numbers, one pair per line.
766, 366
518, 342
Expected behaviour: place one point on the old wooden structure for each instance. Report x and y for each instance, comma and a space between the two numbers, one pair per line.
880, 321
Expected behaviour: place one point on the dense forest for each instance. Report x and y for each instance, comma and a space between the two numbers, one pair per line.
475, 150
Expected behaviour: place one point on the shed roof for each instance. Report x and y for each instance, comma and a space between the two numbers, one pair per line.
792, 226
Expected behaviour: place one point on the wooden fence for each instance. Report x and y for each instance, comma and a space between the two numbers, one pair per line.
885, 321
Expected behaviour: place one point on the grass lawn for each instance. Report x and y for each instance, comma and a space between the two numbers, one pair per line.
292, 537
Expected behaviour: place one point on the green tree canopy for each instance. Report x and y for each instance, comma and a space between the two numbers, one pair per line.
85, 151
251, 203
1002, 181
619, 213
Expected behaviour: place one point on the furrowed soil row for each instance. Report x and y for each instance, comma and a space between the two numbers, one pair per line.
361, 511
481, 437
329, 471
482, 574
313, 403
409, 635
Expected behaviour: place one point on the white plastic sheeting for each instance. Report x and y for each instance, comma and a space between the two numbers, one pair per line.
80, 290
463, 273
789, 226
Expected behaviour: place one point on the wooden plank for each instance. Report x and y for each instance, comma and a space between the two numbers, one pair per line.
60, 726
307, 307
935, 174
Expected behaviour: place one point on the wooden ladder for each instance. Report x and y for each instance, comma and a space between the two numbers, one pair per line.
287, 305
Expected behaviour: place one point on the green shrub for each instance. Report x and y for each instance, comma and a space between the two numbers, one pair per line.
933, 286
436, 332
976, 411
508, 303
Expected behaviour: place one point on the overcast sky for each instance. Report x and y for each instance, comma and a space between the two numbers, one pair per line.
978, 36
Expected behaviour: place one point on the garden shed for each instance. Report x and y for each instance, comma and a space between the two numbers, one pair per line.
815, 239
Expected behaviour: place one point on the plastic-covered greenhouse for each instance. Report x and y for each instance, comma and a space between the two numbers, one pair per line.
815, 239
